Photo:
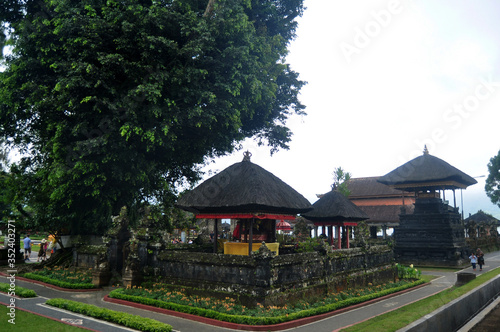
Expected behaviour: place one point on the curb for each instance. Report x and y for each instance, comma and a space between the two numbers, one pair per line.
245, 327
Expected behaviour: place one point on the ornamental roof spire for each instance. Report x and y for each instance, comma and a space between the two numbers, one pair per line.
246, 155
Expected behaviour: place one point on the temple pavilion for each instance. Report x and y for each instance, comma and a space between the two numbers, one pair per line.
250, 194
434, 233
335, 210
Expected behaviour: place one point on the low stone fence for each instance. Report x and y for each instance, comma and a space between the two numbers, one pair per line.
273, 280
259, 278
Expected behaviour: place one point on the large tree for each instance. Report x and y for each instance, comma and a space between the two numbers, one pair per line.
492, 186
114, 103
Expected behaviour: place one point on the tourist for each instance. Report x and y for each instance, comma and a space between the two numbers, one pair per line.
480, 258
473, 261
42, 253
27, 247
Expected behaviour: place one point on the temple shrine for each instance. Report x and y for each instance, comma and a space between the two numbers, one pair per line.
250, 194
335, 210
433, 235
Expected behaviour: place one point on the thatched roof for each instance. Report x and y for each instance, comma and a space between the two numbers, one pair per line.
384, 214
334, 206
481, 216
244, 187
369, 187
428, 172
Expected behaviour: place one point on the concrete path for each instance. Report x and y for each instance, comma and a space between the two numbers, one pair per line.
445, 280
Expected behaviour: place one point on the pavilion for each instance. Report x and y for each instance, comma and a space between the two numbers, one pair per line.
335, 210
247, 192
433, 234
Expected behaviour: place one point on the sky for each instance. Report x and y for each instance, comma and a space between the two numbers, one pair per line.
384, 79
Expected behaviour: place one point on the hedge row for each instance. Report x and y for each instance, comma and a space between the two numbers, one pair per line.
19, 291
60, 283
121, 318
249, 320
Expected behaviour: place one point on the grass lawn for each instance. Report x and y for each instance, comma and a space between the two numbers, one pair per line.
399, 318
26, 322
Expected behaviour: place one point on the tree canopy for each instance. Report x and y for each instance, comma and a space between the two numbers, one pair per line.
114, 103
492, 186
340, 181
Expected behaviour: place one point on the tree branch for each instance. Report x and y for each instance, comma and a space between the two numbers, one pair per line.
209, 9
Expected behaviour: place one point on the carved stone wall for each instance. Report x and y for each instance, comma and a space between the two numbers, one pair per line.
273, 280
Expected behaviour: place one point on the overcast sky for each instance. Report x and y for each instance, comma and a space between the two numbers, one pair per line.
384, 79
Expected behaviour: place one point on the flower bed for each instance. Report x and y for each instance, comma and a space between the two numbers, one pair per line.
159, 295
66, 278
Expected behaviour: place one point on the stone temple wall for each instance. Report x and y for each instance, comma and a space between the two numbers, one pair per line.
273, 280
260, 278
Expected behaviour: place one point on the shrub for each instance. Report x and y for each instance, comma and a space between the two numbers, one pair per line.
121, 318
60, 283
408, 272
19, 291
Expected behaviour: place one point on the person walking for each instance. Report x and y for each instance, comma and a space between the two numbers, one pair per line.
27, 247
480, 258
473, 261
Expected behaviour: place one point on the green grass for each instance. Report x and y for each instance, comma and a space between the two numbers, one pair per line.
26, 322
399, 318
439, 269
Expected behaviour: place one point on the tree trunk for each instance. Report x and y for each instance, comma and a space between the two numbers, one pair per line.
209, 9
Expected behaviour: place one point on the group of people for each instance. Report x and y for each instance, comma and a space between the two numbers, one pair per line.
477, 258
42, 252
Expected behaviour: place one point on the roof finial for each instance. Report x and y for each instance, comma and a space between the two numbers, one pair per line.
425, 150
246, 155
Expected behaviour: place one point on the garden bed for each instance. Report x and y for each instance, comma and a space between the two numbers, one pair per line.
227, 310
61, 277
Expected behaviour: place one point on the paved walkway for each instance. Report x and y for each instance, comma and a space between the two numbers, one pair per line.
333, 323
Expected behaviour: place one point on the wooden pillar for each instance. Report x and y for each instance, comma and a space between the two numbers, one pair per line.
250, 241
347, 236
454, 199
216, 235
245, 237
339, 238
330, 235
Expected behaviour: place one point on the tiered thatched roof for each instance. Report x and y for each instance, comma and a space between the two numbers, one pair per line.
427, 172
244, 188
333, 207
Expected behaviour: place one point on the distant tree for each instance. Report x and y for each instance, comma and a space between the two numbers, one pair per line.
492, 186
117, 103
340, 179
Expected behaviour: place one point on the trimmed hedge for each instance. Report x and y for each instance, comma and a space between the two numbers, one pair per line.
249, 320
60, 283
19, 291
121, 318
